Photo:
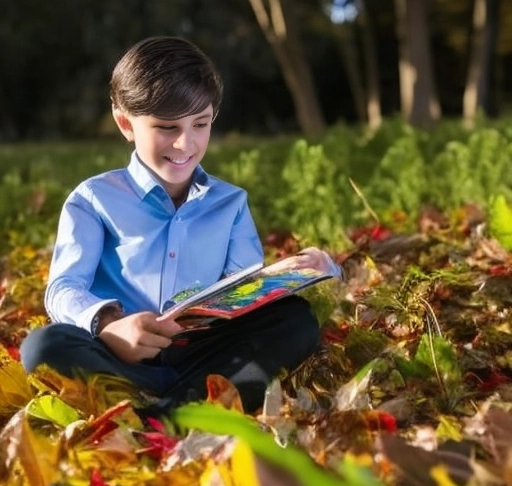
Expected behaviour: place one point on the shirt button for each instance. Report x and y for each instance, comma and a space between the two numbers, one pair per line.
172, 254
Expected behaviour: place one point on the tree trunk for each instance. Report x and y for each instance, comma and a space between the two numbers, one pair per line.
347, 44
493, 22
278, 25
373, 106
476, 92
363, 82
419, 100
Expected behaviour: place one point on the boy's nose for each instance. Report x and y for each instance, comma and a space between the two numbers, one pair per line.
183, 141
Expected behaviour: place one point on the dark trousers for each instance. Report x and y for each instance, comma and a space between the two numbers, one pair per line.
250, 351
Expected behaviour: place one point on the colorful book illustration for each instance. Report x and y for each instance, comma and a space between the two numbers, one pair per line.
239, 293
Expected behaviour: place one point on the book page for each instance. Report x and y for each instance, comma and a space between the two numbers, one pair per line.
256, 291
210, 291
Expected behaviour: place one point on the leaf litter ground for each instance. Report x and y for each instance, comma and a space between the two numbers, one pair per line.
411, 385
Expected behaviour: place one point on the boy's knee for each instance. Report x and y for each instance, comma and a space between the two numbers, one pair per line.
299, 309
47, 344
307, 335
301, 326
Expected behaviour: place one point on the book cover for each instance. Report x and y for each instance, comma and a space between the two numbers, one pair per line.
239, 293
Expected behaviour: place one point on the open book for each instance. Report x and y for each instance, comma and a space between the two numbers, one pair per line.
241, 292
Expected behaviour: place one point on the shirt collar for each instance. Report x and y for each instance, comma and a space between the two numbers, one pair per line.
143, 181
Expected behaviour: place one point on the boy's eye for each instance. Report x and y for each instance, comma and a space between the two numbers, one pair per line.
201, 125
166, 127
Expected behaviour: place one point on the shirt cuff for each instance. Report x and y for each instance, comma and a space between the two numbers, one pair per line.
86, 317
334, 269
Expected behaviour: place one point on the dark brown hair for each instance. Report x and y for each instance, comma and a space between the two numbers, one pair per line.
165, 77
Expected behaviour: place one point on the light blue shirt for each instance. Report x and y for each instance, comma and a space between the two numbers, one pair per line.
121, 239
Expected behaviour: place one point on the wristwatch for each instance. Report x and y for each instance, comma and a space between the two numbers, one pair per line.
94, 324
115, 307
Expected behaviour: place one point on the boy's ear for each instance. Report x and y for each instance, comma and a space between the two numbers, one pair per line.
123, 122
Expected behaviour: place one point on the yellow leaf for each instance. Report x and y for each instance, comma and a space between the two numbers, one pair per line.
108, 459
37, 456
181, 475
28, 252
15, 390
363, 460
72, 390
243, 466
374, 276
93, 397
215, 474
440, 475
106, 391
40, 320
239, 469
449, 428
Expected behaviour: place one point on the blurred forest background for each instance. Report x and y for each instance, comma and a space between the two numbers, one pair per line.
289, 65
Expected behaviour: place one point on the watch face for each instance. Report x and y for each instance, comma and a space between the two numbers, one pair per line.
94, 324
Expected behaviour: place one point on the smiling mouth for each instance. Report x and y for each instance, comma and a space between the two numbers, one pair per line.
178, 160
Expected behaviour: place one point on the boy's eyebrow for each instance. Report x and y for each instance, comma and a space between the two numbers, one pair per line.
199, 117
206, 115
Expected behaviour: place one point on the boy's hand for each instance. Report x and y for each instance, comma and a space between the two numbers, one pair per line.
138, 336
311, 257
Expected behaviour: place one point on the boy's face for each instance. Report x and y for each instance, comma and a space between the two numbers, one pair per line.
171, 149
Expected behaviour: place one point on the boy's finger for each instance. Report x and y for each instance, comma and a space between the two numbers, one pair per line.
166, 328
156, 341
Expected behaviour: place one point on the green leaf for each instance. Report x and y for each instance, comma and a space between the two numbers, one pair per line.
411, 368
439, 355
500, 221
217, 420
52, 409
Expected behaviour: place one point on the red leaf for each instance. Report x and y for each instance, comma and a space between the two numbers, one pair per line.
336, 333
101, 430
381, 421
14, 352
500, 270
282, 242
492, 381
96, 479
156, 424
156, 444
104, 424
375, 232
222, 391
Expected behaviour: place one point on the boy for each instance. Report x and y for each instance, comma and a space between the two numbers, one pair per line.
130, 238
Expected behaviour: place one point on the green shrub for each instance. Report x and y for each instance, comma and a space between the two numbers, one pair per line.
312, 202
293, 184
472, 171
399, 182
28, 211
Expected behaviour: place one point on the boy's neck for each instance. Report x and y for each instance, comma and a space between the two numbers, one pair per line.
179, 200
178, 193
